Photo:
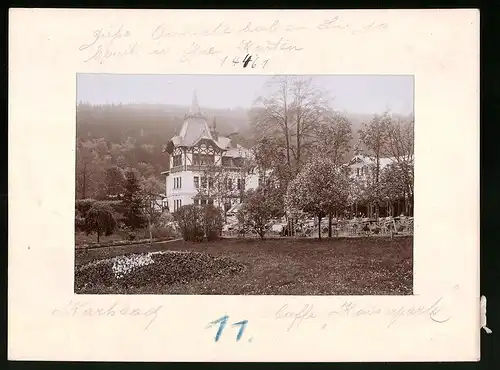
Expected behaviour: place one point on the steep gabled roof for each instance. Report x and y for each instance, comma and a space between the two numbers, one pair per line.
194, 128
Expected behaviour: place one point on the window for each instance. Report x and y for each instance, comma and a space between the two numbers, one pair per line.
357, 171
196, 202
196, 159
226, 161
204, 182
196, 182
210, 182
238, 184
177, 182
177, 160
203, 201
230, 184
211, 201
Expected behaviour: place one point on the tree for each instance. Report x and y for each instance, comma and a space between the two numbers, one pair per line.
99, 219
289, 111
393, 186
271, 114
132, 201
333, 137
217, 185
85, 169
150, 190
400, 145
320, 188
260, 206
115, 181
274, 172
220, 184
357, 193
309, 109
374, 136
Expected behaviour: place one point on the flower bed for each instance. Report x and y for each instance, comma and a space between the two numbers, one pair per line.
151, 269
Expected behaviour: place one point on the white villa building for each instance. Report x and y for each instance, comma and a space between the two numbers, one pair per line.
197, 150
360, 164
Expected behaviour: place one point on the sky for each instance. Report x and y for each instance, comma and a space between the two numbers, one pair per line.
352, 93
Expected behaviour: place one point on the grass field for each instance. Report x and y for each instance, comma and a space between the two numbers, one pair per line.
339, 266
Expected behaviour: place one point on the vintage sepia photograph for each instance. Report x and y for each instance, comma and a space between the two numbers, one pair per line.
244, 184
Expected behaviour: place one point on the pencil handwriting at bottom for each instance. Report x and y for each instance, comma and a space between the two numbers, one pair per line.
437, 312
296, 316
84, 309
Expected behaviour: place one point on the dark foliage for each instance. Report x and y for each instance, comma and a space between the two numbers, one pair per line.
199, 222
132, 202
168, 268
100, 220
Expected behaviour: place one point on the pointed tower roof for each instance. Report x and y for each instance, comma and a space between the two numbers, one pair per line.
194, 128
195, 107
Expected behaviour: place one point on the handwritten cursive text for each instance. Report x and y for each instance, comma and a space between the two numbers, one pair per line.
84, 309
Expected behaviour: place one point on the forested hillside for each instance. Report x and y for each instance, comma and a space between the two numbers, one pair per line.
134, 135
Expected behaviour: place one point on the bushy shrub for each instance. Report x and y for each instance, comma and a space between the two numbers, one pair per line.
197, 222
83, 206
190, 223
213, 221
162, 232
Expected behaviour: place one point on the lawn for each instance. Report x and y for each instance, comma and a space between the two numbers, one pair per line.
338, 266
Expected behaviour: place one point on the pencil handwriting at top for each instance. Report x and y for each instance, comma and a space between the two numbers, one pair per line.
336, 23
107, 43
195, 49
222, 28
280, 44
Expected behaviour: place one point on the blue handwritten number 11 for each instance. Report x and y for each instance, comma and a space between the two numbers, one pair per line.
222, 324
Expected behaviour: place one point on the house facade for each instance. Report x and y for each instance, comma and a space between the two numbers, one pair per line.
205, 167
360, 165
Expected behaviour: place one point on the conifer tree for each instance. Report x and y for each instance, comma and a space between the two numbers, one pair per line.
132, 202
